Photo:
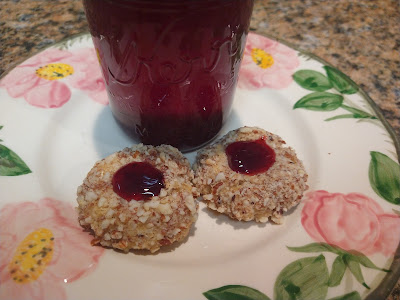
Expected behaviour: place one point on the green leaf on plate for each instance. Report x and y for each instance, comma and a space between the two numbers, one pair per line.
338, 269
384, 177
312, 80
320, 101
346, 116
358, 113
365, 261
235, 292
355, 269
1, 127
11, 164
316, 247
305, 278
355, 114
350, 296
340, 81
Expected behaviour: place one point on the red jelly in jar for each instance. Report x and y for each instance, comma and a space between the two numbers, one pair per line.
170, 66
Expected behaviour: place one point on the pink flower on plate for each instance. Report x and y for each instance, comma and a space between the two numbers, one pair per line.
351, 222
42, 247
266, 63
44, 79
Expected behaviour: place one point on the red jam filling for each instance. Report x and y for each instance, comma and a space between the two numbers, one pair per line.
138, 181
250, 157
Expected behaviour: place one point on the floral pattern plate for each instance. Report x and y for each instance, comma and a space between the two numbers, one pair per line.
339, 243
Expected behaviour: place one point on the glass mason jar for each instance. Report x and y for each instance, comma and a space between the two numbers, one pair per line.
170, 66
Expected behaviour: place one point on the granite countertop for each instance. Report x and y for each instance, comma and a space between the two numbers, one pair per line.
361, 38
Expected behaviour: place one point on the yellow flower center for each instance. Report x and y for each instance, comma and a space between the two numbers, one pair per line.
263, 59
54, 71
32, 256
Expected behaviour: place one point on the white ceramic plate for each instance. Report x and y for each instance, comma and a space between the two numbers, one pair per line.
45, 153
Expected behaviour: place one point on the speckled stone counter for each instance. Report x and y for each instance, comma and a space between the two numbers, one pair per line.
361, 38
